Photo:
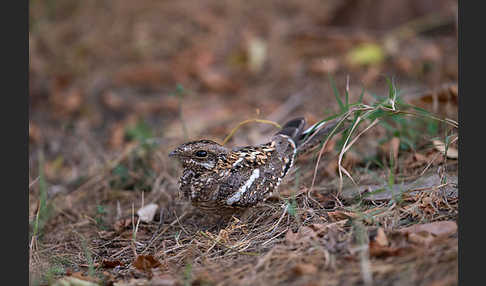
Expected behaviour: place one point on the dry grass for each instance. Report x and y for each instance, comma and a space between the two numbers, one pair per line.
107, 105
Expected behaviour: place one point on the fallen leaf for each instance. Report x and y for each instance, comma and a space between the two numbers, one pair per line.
380, 251
379, 245
152, 75
112, 263
340, 215
381, 238
421, 237
452, 152
426, 233
304, 269
438, 228
122, 224
145, 262
147, 213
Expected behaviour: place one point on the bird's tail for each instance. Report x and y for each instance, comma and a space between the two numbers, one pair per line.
314, 135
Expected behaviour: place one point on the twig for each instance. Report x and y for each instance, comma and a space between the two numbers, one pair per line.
274, 227
246, 122
266, 242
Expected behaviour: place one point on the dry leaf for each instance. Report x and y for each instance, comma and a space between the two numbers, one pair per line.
438, 228
145, 262
304, 269
112, 263
421, 237
381, 238
452, 152
379, 245
340, 215
377, 250
147, 213
145, 74
122, 224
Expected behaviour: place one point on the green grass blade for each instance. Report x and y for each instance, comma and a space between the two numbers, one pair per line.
336, 93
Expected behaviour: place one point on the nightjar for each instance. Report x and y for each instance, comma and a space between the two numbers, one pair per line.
216, 178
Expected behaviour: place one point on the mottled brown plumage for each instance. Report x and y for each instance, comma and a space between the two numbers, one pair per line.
217, 179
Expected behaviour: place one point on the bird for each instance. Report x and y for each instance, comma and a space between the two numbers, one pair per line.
217, 179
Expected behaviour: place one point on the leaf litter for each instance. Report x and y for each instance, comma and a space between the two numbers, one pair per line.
102, 158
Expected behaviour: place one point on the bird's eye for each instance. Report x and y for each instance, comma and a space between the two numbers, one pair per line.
201, 154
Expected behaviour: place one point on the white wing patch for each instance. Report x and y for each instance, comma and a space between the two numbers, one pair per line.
236, 197
237, 161
317, 125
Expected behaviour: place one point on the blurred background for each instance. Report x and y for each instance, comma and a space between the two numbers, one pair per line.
104, 74
100, 65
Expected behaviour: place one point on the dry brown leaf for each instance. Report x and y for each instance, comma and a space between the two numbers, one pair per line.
379, 245
145, 262
438, 228
112, 263
377, 250
145, 74
340, 215
304, 269
452, 152
421, 237
122, 224
381, 238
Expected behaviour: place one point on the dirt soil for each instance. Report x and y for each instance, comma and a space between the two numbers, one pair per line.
114, 86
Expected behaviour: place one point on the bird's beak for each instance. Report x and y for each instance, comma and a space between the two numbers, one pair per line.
174, 153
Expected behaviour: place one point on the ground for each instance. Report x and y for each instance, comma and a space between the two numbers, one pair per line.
115, 86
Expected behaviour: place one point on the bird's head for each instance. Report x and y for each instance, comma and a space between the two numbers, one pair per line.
201, 154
